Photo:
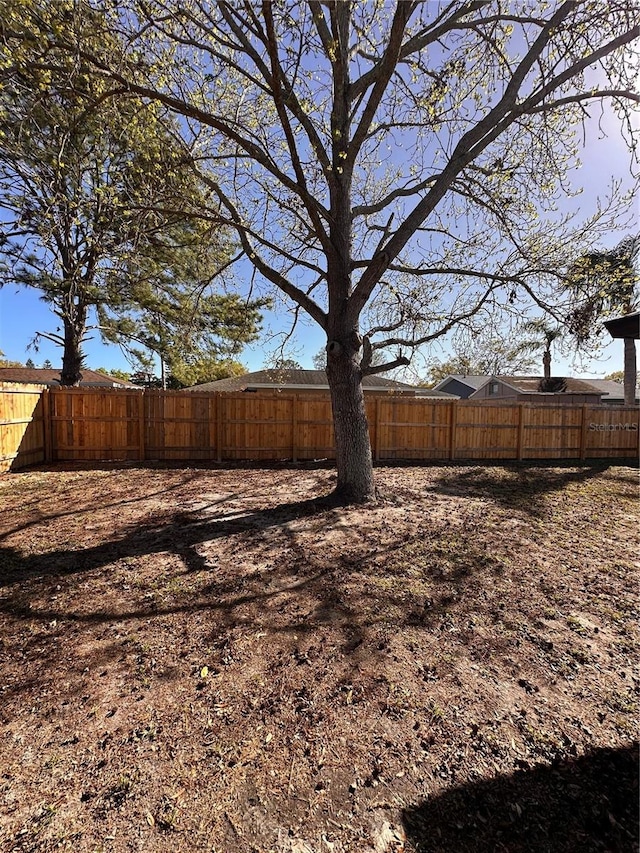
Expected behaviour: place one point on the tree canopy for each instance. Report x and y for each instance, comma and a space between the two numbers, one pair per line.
384, 164
504, 353
603, 284
99, 197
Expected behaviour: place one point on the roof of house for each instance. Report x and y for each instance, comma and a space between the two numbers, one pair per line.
609, 388
625, 327
472, 381
47, 376
531, 384
304, 379
522, 384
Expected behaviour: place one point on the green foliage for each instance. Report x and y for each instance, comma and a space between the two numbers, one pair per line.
615, 376
102, 200
197, 371
602, 284
125, 375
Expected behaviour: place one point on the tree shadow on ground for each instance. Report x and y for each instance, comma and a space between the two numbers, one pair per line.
584, 805
180, 533
516, 486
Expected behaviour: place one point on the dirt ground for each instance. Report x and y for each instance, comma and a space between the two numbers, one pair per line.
204, 659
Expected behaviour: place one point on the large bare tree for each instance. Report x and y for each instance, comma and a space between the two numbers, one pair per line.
383, 163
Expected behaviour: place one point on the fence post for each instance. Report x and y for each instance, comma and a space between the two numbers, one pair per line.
453, 429
141, 426
583, 434
294, 428
219, 426
47, 424
377, 436
521, 426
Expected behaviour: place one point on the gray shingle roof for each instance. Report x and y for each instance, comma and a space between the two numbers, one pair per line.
472, 381
608, 388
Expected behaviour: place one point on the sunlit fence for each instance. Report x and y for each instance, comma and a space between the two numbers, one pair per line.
40, 425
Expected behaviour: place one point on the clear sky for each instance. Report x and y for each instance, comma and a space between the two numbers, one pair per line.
22, 313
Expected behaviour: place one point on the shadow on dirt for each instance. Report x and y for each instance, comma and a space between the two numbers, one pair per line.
179, 532
584, 805
517, 486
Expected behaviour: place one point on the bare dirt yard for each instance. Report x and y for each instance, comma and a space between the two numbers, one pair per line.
204, 659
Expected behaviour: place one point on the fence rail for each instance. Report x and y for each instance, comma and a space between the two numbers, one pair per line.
42, 425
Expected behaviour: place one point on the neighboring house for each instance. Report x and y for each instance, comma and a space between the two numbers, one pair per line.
51, 377
309, 382
522, 389
461, 385
526, 389
612, 392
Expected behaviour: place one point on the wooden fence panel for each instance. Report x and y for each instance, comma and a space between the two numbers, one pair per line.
314, 435
611, 432
487, 431
22, 426
257, 427
180, 426
553, 432
413, 429
96, 424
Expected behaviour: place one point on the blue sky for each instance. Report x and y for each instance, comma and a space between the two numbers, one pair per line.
22, 313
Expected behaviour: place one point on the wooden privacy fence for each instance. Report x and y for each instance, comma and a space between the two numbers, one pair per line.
41, 425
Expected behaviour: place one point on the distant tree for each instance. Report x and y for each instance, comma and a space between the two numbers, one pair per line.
603, 284
281, 363
320, 359
487, 355
98, 194
115, 372
145, 379
30, 364
616, 376
543, 333
202, 369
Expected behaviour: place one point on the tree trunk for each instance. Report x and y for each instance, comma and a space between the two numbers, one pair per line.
72, 357
353, 447
630, 372
546, 363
